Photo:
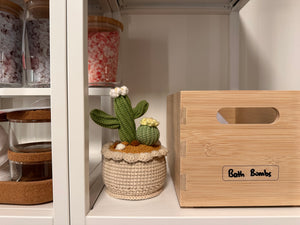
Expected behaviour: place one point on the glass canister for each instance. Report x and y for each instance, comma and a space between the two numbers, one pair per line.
103, 51
30, 145
30, 131
4, 165
30, 166
36, 44
10, 44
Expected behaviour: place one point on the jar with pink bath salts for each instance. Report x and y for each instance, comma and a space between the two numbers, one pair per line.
36, 44
10, 44
103, 51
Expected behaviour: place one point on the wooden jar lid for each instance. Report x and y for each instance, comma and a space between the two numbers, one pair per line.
26, 193
103, 19
39, 9
34, 157
30, 116
38, 1
10, 7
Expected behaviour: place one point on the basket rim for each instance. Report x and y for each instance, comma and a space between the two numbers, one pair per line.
132, 157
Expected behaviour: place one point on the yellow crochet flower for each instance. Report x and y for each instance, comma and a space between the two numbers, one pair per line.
149, 122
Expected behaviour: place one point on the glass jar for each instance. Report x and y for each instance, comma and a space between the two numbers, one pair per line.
36, 44
10, 44
30, 145
4, 165
30, 131
30, 166
103, 51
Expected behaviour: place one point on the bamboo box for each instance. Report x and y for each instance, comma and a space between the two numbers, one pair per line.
234, 148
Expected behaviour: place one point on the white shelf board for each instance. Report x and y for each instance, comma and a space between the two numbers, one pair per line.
24, 92
165, 209
179, 6
26, 214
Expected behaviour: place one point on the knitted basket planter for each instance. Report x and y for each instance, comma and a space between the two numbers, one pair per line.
134, 176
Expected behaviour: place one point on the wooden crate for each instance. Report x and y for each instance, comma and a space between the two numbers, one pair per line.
252, 161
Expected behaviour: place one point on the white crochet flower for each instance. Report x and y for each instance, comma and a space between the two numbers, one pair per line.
114, 93
124, 90
120, 146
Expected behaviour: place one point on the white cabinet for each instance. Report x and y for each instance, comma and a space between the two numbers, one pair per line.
58, 211
168, 45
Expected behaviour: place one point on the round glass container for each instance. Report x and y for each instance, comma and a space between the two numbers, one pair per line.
10, 44
30, 166
4, 165
103, 51
30, 131
36, 44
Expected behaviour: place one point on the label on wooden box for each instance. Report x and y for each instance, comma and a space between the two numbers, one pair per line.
250, 173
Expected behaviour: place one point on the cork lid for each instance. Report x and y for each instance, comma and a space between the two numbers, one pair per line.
104, 22
30, 116
37, 1
38, 8
34, 157
11, 7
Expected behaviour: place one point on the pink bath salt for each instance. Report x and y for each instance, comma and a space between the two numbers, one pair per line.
39, 50
103, 54
10, 49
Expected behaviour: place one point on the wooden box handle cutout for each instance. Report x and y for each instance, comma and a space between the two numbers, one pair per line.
247, 115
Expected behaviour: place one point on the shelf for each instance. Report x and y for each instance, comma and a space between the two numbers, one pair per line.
7, 92
164, 209
26, 215
179, 6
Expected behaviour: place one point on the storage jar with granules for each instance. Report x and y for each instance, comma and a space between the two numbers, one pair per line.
36, 44
10, 44
103, 51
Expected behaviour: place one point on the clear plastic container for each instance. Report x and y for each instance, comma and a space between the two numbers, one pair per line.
30, 131
104, 51
36, 44
10, 44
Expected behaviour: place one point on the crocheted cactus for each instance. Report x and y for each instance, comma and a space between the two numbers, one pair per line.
125, 114
148, 133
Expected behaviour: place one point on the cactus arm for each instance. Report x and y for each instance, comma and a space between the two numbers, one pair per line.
140, 109
105, 120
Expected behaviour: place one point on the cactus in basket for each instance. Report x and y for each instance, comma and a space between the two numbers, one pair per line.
148, 133
125, 114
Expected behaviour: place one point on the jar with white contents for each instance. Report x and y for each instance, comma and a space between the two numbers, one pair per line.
36, 44
103, 51
10, 44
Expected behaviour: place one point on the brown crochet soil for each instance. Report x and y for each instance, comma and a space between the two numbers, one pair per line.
135, 149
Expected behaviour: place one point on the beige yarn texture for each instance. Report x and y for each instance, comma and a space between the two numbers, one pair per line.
134, 180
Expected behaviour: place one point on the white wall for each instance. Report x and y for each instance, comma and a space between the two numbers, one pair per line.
270, 45
162, 54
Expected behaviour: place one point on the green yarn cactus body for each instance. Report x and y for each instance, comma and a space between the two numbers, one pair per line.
125, 115
147, 135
